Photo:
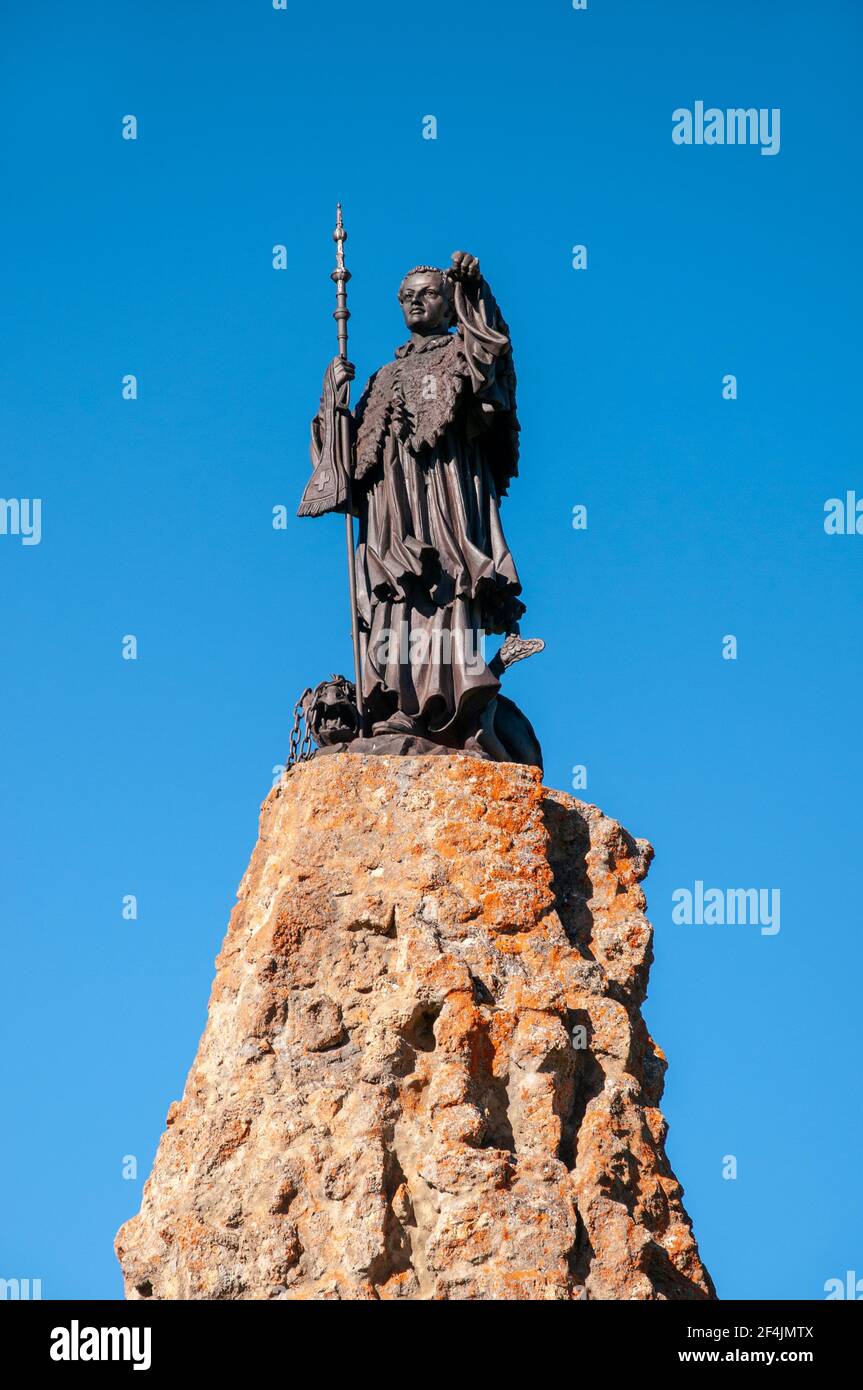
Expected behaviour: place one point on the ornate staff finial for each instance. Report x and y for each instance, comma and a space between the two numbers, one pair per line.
341, 275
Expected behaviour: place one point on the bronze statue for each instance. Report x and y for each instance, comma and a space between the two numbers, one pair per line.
423, 462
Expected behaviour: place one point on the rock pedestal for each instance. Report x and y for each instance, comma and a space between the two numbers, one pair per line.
424, 1073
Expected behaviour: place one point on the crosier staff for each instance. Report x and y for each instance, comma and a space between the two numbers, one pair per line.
341, 275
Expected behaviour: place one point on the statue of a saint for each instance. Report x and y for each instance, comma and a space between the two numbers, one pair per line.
430, 451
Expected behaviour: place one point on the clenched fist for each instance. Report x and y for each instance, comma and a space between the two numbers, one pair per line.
464, 267
342, 371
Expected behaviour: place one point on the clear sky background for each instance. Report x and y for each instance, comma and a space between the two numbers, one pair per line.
705, 518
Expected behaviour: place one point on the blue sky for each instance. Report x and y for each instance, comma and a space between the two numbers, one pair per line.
705, 518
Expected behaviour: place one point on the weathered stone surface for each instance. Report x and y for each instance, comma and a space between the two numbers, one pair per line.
424, 1073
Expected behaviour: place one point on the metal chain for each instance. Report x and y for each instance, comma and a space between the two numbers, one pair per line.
300, 748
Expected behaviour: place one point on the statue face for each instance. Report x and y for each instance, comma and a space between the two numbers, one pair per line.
425, 303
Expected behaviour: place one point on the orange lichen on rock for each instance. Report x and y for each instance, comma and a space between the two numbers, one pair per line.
424, 1074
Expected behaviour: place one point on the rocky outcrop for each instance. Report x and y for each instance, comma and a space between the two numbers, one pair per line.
424, 1073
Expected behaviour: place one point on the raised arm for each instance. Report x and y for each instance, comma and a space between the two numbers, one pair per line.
484, 335
486, 350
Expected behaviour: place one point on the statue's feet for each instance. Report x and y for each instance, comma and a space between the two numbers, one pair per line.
398, 723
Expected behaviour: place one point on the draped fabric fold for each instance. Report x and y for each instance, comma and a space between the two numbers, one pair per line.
328, 488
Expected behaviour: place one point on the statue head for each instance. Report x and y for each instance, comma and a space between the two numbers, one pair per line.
425, 295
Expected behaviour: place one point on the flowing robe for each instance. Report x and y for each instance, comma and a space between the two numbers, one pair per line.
434, 444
